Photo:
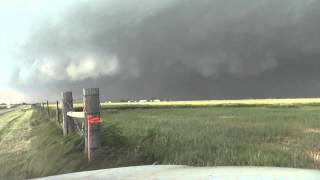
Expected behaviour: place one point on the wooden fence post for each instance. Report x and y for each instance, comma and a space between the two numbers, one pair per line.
48, 110
57, 112
67, 105
92, 130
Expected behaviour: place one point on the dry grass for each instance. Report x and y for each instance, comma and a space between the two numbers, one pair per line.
312, 130
315, 155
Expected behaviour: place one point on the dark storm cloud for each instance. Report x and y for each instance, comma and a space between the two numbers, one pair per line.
182, 49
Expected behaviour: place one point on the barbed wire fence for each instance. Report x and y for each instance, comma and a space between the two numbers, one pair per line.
86, 122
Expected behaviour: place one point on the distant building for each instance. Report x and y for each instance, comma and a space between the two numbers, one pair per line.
154, 100
143, 100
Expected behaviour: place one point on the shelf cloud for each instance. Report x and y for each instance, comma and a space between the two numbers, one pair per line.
180, 49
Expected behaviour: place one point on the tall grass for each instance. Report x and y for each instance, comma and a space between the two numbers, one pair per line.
33, 146
287, 137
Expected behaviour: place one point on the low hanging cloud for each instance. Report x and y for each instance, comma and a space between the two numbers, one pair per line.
212, 43
73, 70
91, 68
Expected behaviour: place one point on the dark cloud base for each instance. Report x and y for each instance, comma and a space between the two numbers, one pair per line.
185, 49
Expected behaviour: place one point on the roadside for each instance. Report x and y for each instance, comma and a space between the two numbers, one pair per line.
31, 146
3, 111
14, 143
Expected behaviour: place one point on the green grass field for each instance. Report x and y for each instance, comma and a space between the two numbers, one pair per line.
256, 135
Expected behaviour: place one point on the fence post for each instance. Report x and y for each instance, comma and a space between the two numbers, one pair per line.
67, 105
57, 112
92, 130
48, 110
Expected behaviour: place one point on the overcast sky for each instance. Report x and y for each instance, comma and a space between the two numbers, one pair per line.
168, 49
19, 18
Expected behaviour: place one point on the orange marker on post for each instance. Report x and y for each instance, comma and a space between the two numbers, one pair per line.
92, 120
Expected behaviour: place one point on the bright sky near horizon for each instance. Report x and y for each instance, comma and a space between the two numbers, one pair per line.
18, 18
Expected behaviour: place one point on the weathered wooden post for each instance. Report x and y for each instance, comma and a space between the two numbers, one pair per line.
57, 112
48, 110
67, 105
92, 120
42, 107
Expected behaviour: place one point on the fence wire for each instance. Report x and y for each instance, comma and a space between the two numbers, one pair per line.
78, 122
79, 125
